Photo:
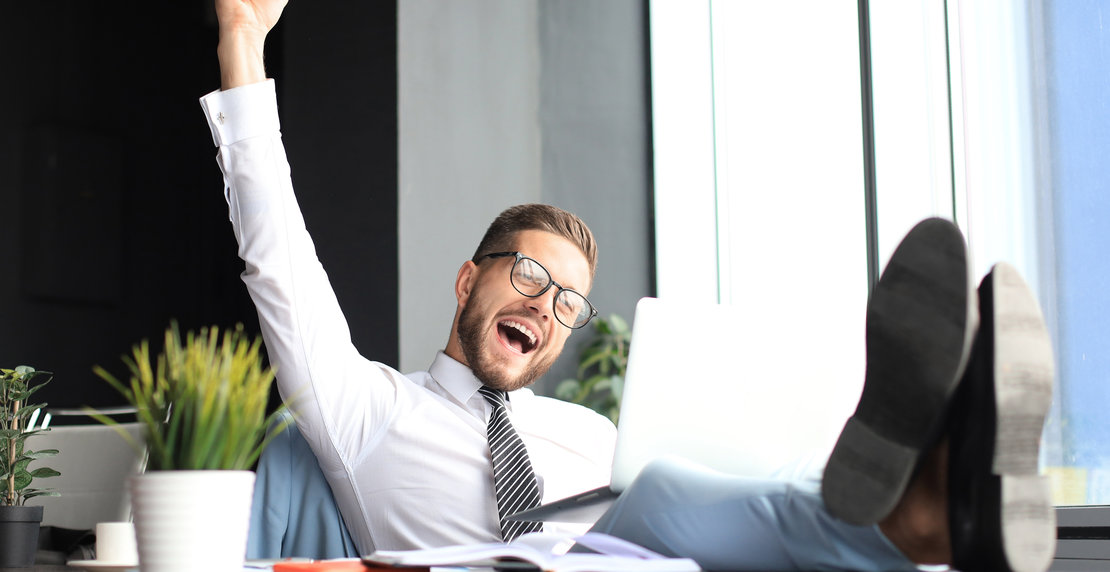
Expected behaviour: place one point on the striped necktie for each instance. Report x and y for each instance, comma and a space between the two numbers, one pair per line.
514, 481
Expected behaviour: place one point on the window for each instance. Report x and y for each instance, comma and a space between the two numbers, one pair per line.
992, 114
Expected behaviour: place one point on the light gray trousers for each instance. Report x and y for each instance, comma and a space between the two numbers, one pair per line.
725, 522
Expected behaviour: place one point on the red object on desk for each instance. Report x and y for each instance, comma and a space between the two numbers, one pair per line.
334, 566
321, 566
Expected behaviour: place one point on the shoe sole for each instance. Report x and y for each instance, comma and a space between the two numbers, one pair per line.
1023, 376
921, 320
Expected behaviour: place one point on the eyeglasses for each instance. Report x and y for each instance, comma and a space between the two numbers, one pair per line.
531, 279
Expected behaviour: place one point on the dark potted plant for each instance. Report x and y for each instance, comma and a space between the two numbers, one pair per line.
19, 524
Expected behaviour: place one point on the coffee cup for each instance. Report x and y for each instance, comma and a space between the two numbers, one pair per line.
115, 543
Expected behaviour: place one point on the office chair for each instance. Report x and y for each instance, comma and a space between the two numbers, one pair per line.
294, 513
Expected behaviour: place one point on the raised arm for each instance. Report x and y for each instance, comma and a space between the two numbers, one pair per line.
244, 25
342, 400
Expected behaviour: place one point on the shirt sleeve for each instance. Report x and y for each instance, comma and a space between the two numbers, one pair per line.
319, 371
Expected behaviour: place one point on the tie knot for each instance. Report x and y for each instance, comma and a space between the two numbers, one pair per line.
494, 397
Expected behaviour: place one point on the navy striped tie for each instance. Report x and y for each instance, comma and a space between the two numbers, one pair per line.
514, 481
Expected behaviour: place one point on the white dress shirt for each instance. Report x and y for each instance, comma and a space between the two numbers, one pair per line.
406, 455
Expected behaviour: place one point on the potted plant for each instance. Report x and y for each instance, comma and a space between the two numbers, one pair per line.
601, 367
19, 524
202, 405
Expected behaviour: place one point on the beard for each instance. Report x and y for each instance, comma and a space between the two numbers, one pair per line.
483, 364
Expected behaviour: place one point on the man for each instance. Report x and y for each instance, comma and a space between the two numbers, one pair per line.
928, 443
938, 465
409, 457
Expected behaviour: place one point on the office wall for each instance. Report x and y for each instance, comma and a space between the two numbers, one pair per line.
469, 146
506, 102
114, 219
596, 144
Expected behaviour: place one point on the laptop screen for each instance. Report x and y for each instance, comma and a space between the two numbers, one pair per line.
687, 394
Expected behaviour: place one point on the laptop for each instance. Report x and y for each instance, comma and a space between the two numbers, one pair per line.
698, 387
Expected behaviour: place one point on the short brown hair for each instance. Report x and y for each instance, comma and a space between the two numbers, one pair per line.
501, 234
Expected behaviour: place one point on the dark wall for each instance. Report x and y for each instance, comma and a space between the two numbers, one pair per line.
114, 220
338, 100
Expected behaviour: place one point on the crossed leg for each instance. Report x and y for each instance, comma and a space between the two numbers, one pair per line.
937, 465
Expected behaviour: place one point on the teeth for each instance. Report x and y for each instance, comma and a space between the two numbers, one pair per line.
522, 329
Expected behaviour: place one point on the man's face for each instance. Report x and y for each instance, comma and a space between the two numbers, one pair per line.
508, 339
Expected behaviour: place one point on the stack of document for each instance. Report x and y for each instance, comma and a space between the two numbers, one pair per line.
591, 552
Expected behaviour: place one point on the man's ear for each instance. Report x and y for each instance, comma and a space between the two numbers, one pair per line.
464, 282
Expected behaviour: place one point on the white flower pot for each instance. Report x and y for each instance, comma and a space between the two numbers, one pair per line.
189, 521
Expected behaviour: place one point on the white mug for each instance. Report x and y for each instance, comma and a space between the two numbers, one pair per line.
115, 543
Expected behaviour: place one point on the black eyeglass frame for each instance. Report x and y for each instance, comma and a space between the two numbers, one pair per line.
550, 282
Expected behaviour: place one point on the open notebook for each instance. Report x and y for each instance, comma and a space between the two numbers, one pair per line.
687, 394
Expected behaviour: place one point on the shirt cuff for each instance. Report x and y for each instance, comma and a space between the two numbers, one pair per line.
242, 112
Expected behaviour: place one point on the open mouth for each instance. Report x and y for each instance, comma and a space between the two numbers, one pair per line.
517, 336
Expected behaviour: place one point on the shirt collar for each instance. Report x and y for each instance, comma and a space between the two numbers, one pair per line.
459, 381
454, 377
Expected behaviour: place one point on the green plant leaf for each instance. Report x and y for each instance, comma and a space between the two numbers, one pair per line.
591, 355
41, 454
202, 401
44, 472
26, 411
613, 413
567, 389
589, 383
616, 387
18, 393
618, 324
32, 390
32, 493
22, 479
587, 389
27, 434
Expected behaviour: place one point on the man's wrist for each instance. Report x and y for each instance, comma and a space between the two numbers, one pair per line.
241, 59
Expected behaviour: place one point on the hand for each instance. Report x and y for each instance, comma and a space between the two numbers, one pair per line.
244, 25
248, 17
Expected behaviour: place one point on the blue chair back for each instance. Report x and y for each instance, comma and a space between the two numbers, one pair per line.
294, 514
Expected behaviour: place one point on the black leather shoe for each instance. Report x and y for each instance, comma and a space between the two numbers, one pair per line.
1000, 512
921, 320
